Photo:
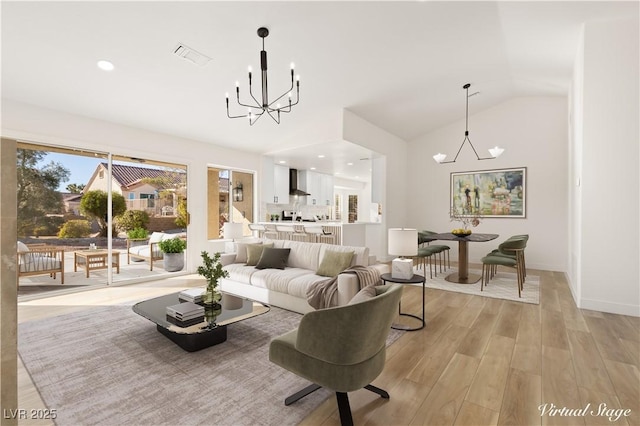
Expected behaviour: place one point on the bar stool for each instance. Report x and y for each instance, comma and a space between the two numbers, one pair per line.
285, 232
298, 233
257, 229
270, 232
316, 234
328, 237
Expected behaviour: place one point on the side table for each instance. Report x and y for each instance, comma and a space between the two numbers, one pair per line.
416, 279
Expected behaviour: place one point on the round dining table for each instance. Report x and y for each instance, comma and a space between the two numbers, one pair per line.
463, 276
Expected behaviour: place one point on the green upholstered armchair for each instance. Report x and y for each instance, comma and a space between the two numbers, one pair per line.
340, 348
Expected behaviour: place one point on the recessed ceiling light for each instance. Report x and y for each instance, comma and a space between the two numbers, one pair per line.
105, 65
321, 156
313, 168
282, 162
349, 164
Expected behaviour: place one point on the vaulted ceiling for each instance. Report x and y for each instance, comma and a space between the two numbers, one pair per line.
399, 65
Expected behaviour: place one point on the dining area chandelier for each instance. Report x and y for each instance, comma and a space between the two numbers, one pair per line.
255, 108
495, 152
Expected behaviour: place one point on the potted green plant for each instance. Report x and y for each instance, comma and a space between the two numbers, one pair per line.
212, 270
173, 257
137, 234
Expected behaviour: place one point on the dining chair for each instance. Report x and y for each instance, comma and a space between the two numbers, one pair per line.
424, 256
492, 261
501, 251
442, 250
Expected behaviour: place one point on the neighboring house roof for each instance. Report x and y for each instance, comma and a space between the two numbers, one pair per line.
128, 176
70, 197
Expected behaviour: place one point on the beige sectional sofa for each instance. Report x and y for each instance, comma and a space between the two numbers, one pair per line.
287, 288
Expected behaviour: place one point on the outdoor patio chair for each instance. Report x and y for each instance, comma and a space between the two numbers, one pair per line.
40, 260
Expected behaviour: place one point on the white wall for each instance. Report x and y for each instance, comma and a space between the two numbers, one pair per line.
607, 275
34, 124
394, 197
533, 132
575, 174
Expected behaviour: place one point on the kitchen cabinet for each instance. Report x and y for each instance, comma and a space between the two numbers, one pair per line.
281, 184
275, 183
326, 190
319, 185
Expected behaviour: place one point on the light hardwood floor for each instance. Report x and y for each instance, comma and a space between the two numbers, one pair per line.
479, 361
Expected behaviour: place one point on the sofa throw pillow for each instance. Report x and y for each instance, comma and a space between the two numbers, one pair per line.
334, 262
273, 258
366, 293
241, 252
254, 251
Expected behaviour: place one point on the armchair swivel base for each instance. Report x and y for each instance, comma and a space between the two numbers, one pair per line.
342, 397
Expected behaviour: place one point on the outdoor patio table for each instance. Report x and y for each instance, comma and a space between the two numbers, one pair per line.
92, 260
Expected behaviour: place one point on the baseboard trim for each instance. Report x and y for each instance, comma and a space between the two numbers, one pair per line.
613, 308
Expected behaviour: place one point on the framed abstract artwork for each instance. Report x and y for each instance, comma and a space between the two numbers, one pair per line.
490, 193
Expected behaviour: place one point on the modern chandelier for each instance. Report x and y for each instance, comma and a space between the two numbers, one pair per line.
257, 109
495, 151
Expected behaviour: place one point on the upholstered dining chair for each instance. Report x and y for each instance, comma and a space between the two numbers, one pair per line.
425, 256
440, 250
504, 251
491, 261
341, 348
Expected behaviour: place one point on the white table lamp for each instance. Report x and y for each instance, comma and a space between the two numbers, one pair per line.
402, 242
232, 231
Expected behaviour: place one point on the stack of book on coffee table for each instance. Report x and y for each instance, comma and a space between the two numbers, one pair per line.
193, 295
185, 314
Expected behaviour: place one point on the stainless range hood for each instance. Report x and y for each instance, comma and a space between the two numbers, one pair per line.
293, 183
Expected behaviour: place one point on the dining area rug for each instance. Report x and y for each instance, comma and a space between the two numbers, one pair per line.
503, 285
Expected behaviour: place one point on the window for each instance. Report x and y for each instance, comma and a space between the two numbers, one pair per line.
338, 208
353, 208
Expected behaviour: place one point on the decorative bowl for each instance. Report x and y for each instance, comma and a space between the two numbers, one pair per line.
461, 234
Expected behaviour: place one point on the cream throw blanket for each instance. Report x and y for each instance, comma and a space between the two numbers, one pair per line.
321, 294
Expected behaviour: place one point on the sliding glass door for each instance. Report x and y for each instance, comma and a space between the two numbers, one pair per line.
80, 212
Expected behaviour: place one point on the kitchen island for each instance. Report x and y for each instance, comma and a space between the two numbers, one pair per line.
347, 234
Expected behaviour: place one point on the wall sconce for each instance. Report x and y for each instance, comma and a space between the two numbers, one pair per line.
237, 192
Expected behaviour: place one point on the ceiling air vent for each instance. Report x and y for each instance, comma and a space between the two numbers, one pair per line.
191, 55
